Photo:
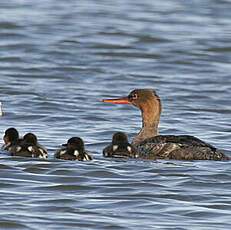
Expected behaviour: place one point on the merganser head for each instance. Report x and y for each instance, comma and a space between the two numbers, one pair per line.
11, 136
30, 138
75, 143
150, 105
137, 97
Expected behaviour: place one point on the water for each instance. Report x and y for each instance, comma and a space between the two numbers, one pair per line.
60, 58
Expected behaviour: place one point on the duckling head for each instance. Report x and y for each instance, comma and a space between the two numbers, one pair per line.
30, 138
11, 135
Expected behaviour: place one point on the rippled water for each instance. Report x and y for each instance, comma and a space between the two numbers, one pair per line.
60, 58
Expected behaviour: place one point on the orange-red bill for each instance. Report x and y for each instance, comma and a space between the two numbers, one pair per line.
122, 100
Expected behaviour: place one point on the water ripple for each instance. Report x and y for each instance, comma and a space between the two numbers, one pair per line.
59, 59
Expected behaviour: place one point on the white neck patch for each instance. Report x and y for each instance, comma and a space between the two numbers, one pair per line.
76, 153
115, 147
129, 149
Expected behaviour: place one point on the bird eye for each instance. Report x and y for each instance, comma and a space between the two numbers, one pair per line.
134, 96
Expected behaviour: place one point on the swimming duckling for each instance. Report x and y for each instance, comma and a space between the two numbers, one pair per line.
120, 147
11, 139
73, 150
29, 147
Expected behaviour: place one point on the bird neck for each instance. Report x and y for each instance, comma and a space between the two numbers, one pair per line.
150, 112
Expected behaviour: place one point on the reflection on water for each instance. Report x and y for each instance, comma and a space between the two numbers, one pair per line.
59, 59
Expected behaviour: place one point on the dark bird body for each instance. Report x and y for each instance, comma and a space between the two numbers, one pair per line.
182, 147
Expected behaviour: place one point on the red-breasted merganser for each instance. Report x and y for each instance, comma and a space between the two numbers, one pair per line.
150, 145
120, 147
29, 147
73, 150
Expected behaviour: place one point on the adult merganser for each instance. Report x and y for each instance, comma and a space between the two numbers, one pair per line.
29, 147
120, 147
73, 150
150, 145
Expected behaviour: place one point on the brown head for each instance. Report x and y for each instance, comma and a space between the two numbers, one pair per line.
139, 98
150, 105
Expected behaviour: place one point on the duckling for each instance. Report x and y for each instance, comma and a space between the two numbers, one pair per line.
120, 147
29, 147
11, 139
73, 150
